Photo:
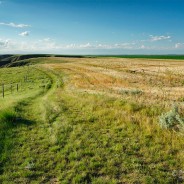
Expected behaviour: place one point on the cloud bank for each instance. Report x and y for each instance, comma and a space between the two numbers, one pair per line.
153, 44
50, 45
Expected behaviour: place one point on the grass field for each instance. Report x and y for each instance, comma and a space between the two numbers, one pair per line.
178, 57
93, 120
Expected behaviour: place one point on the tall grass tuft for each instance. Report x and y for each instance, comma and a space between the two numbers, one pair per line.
7, 117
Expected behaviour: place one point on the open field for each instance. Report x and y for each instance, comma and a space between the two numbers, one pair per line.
178, 57
93, 120
9, 59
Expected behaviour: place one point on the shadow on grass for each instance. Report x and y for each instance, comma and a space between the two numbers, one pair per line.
9, 124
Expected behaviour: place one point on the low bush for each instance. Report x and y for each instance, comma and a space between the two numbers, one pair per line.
172, 119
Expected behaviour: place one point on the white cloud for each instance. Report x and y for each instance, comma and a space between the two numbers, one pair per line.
77, 46
15, 46
124, 45
4, 43
179, 45
25, 33
159, 38
46, 39
14, 25
142, 47
85, 46
97, 45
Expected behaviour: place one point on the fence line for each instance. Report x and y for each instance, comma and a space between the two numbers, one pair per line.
9, 87
14, 86
19, 86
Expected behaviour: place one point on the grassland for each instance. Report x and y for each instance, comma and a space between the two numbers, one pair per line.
92, 120
177, 57
14, 60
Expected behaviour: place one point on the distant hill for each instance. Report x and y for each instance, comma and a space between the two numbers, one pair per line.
7, 60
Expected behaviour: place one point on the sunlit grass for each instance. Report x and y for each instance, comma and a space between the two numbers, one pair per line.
91, 121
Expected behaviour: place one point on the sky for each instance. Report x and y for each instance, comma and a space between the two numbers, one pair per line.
92, 26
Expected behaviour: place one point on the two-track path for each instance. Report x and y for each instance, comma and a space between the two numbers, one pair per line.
30, 155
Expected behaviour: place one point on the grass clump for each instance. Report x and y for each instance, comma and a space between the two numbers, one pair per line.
8, 116
172, 119
181, 99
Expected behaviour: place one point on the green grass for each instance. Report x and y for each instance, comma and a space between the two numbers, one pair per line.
10, 106
178, 57
29, 80
53, 135
101, 145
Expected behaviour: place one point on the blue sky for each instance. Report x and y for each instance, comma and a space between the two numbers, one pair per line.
92, 26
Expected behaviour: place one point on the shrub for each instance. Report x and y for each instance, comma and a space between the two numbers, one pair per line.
172, 119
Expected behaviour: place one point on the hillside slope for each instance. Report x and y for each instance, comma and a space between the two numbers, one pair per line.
10, 59
18, 60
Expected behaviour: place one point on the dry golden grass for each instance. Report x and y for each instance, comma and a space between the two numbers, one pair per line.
158, 79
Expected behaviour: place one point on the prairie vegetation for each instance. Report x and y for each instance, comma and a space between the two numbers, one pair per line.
93, 120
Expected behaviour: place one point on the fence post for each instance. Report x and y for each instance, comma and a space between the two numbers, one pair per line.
17, 87
3, 90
